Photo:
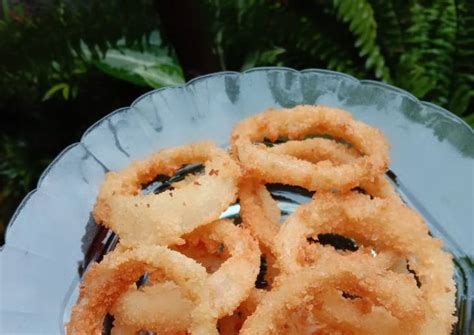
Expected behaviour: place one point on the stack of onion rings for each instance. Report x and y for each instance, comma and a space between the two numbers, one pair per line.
200, 274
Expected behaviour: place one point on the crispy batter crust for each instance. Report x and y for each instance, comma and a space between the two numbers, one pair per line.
388, 227
296, 123
162, 218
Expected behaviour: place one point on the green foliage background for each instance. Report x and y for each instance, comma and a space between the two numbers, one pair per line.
63, 60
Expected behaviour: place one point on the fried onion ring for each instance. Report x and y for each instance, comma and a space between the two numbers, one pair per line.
106, 281
361, 278
221, 293
163, 218
296, 123
388, 227
317, 150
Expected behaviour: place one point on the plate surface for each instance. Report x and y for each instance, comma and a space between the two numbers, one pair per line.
52, 237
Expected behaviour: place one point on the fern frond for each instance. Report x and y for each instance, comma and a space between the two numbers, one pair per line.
425, 68
389, 30
359, 15
317, 39
310, 36
462, 90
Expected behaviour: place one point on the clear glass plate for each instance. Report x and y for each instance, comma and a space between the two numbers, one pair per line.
51, 237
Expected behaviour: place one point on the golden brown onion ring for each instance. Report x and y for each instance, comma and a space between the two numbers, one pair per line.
296, 123
106, 281
163, 218
220, 294
362, 278
387, 226
317, 150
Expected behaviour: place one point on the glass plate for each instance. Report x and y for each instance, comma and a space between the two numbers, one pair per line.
51, 238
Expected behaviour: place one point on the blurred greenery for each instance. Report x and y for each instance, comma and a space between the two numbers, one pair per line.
146, 62
64, 64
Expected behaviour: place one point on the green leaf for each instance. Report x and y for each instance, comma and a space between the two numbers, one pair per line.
55, 89
153, 65
66, 92
161, 75
429, 59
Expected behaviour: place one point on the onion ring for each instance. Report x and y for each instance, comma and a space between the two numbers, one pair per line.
106, 281
386, 225
362, 278
258, 213
296, 123
317, 150
220, 294
163, 218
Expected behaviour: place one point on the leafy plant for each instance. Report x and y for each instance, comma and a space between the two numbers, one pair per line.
462, 84
147, 62
425, 47
304, 29
42, 43
66, 86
